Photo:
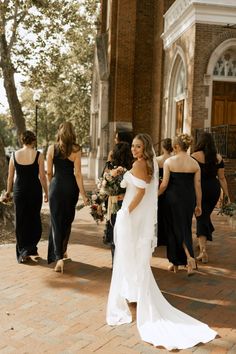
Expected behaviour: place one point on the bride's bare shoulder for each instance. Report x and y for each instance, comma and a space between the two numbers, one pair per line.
139, 169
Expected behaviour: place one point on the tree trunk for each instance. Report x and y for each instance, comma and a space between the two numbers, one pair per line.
6, 212
3, 166
10, 87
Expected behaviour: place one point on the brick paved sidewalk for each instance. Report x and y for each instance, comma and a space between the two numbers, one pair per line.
46, 312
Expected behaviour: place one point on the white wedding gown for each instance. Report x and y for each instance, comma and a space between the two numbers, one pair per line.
158, 322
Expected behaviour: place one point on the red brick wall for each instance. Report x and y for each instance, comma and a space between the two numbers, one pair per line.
143, 66
136, 63
160, 8
122, 60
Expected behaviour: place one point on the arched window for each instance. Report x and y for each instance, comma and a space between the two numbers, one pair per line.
175, 114
226, 64
179, 97
180, 80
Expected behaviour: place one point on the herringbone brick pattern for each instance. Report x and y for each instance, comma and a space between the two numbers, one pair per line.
46, 312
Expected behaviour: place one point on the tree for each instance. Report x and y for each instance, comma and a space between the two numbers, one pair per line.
6, 44
49, 42
36, 37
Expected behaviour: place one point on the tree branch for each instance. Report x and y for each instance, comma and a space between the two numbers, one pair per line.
14, 26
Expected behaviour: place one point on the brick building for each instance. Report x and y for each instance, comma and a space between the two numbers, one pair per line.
163, 67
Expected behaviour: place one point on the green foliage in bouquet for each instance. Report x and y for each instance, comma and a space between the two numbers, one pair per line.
96, 205
110, 186
226, 208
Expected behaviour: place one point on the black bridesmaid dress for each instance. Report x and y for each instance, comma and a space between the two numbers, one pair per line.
63, 196
27, 195
210, 196
161, 234
179, 205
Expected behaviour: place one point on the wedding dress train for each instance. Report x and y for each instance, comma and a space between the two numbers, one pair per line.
158, 322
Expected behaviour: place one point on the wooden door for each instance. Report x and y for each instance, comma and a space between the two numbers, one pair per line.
231, 112
179, 116
223, 103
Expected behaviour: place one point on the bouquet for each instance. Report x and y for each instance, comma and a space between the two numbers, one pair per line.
103, 201
111, 185
96, 204
6, 200
226, 208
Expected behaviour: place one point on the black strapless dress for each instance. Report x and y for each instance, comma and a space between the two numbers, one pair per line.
179, 205
210, 196
161, 234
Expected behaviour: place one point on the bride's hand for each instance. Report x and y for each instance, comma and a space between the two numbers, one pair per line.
85, 200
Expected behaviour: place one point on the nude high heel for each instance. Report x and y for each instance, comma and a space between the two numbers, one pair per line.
173, 268
191, 265
65, 255
203, 256
59, 266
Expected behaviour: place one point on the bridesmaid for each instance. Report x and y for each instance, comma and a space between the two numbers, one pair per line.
27, 194
212, 180
167, 149
65, 184
182, 184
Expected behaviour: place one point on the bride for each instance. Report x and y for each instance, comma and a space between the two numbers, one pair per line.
132, 280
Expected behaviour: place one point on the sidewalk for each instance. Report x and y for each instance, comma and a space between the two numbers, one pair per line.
46, 312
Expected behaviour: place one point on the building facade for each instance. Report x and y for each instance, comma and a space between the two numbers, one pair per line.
164, 67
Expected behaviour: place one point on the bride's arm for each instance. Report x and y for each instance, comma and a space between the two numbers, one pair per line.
138, 171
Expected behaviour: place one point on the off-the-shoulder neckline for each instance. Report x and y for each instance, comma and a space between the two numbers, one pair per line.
140, 179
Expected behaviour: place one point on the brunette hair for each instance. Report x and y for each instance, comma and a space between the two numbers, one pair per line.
125, 136
167, 145
148, 151
183, 140
66, 139
122, 156
206, 144
28, 137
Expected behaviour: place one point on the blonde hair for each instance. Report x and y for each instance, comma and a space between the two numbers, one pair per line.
183, 140
148, 151
66, 139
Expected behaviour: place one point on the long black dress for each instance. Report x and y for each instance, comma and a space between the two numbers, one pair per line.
27, 194
161, 234
179, 205
63, 196
210, 196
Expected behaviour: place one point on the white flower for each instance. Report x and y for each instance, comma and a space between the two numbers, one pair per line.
108, 177
102, 192
104, 182
99, 183
94, 197
123, 183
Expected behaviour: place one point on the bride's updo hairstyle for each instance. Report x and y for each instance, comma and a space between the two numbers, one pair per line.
148, 151
183, 140
66, 139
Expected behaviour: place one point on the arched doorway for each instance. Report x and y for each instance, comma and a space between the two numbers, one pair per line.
222, 73
224, 89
